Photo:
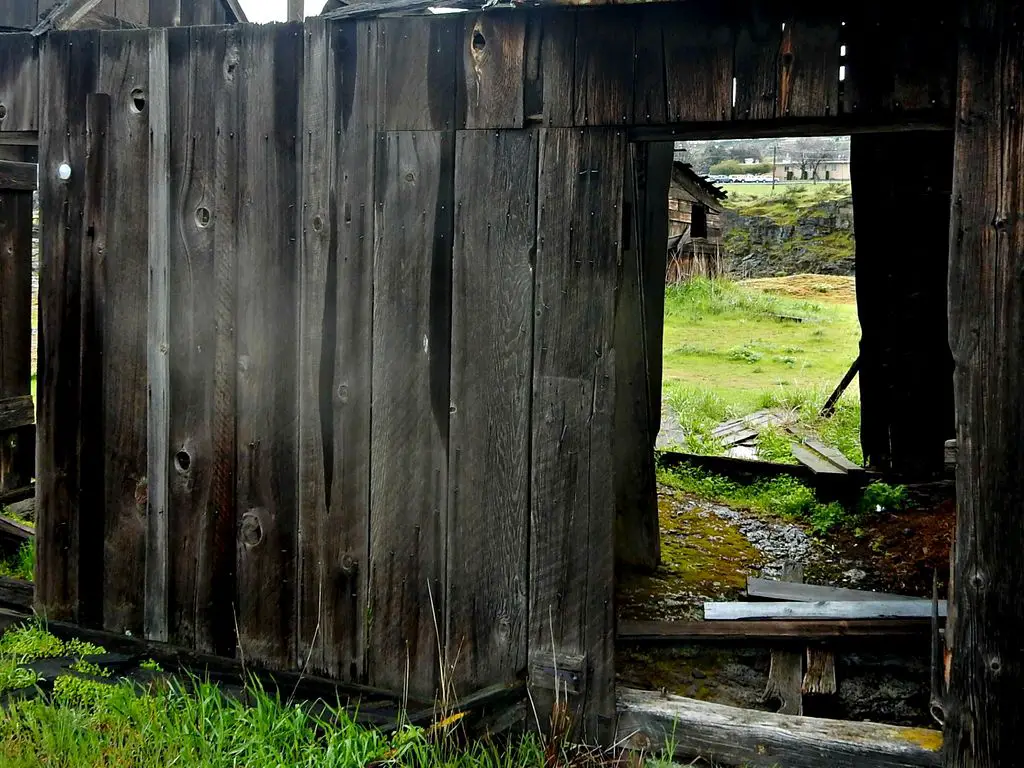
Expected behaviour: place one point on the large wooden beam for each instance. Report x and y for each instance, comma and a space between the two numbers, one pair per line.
985, 709
905, 365
692, 729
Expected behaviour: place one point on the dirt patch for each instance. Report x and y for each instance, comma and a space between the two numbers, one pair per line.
838, 289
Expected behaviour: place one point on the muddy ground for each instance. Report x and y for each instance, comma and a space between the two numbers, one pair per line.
708, 551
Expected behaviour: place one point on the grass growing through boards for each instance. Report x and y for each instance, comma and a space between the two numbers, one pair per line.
192, 724
731, 350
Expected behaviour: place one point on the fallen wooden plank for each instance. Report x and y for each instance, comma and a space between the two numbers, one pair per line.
823, 609
832, 455
17, 412
14, 533
768, 589
830, 405
18, 494
815, 462
16, 594
693, 729
683, 632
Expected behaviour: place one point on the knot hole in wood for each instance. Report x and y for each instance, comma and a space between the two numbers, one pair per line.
251, 528
138, 105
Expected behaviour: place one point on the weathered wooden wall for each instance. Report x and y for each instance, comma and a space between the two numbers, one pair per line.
328, 368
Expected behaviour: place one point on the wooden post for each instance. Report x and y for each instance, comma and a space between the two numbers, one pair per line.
639, 330
295, 10
985, 709
905, 365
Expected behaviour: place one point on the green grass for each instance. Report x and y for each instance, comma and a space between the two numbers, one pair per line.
786, 203
785, 497
761, 190
22, 564
191, 724
730, 351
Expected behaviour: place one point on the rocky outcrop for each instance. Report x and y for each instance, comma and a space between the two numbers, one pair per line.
773, 240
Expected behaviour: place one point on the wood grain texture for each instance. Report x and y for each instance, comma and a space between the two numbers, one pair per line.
733, 736
418, 59
756, 63
334, 406
891, 72
650, 102
809, 69
133, 11
777, 630
488, 486
823, 609
637, 535
766, 589
269, 76
549, 76
604, 64
16, 176
120, 281
786, 672
68, 75
18, 13
493, 46
16, 412
19, 82
411, 370
983, 710
572, 494
698, 64
216, 585
189, 297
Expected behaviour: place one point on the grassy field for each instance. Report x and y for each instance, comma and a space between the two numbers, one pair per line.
731, 349
772, 190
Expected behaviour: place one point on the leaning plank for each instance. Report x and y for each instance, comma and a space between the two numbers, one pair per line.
13, 533
832, 455
767, 589
825, 609
16, 594
817, 464
16, 412
733, 736
783, 630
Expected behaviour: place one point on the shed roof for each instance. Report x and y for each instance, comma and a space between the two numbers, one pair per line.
701, 189
70, 14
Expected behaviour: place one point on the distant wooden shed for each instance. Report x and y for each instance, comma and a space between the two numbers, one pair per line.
694, 225
44, 15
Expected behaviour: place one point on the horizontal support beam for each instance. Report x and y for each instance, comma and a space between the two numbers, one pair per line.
16, 594
765, 632
17, 177
693, 729
17, 412
768, 589
824, 609
841, 125
19, 138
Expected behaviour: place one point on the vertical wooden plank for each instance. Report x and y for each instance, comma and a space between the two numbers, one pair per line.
654, 232
409, 444
68, 74
269, 84
92, 448
337, 290
809, 70
17, 459
18, 13
488, 487
165, 13
572, 496
699, 45
191, 300
492, 66
756, 62
549, 69
418, 58
123, 72
19, 82
984, 710
216, 587
650, 103
604, 64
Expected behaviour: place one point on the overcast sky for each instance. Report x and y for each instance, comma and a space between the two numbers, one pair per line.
274, 10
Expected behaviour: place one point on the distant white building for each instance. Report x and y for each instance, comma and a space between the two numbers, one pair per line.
792, 169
